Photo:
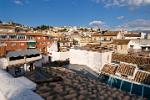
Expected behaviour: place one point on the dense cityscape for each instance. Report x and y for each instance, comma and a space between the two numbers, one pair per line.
74, 50
75, 62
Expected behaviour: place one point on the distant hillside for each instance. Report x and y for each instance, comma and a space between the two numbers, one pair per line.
145, 31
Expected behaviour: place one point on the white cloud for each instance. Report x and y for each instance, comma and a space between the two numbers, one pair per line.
130, 3
120, 17
18, 2
21, 2
138, 24
98, 24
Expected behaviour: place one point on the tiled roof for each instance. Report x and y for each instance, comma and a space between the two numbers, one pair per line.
142, 77
130, 59
109, 69
132, 35
7, 27
125, 69
96, 34
77, 87
95, 48
26, 33
120, 41
110, 33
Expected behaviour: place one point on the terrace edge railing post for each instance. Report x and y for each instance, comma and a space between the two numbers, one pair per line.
142, 91
111, 81
121, 84
131, 88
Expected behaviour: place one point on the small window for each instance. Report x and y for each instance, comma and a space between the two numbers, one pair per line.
104, 39
3, 36
143, 48
30, 37
21, 37
12, 36
131, 46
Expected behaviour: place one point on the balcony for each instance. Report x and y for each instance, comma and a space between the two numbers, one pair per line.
16, 62
31, 44
24, 56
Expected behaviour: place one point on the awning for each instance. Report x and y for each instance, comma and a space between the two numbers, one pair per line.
26, 52
14, 54
30, 52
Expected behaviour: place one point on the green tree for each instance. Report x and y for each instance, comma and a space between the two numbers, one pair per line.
42, 27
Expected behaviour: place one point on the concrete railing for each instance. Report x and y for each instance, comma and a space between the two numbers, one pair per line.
33, 59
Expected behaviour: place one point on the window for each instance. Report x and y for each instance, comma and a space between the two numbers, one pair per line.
131, 46
3, 36
143, 48
12, 36
21, 36
30, 37
104, 39
110, 39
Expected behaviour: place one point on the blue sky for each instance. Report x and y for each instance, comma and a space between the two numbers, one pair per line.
115, 13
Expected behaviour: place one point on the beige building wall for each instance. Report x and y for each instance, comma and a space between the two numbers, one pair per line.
122, 49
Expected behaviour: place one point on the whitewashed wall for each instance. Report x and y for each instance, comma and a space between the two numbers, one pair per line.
3, 63
94, 60
2, 97
60, 56
52, 47
133, 38
138, 43
106, 58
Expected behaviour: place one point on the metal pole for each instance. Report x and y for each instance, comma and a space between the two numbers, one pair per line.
142, 91
131, 88
111, 81
121, 84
